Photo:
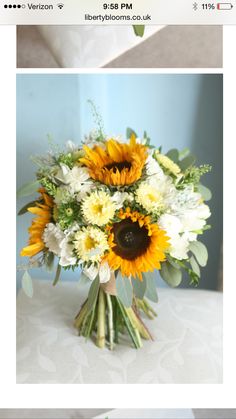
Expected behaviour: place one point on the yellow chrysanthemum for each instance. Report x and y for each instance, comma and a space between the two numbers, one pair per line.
90, 244
136, 245
117, 164
43, 210
167, 163
98, 208
149, 197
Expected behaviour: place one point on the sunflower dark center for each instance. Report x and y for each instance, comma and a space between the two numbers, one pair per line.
131, 240
118, 166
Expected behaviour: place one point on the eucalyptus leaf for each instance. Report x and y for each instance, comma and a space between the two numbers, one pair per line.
83, 280
205, 192
28, 189
200, 252
93, 293
124, 290
24, 209
27, 284
139, 287
184, 153
172, 276
139, 30
151, 290
173, 154
187, 162
195, 266
129, 132
173, 262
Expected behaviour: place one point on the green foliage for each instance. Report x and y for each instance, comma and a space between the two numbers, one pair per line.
170, 274
124, 290
193, 174
139, 30
139, 287
151, 291
50, 188
66, 159
187, 162
28, 189
27, 284
49, 260
200, 252
173, 154
24, 209
67, 214
205, 192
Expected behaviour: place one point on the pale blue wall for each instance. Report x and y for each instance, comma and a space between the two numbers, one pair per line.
176, 110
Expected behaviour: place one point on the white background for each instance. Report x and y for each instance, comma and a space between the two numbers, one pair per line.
74, 396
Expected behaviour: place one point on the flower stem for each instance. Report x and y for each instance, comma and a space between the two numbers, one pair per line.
101, 319
110, 321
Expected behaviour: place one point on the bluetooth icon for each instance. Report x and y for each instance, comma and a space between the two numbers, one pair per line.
195, 6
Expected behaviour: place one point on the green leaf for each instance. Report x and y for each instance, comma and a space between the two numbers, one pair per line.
49, 260
174, 263
200, 252
173, 154
57, 277
83, 280
28, 189
93, 293
151, 290
194, 266
139, 30
129, 132
139, 287
205, 192
187, 162
172, 276
124, 290
24, 209
27, 284
184, 153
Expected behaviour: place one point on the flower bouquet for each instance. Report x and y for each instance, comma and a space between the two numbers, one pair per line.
117, 210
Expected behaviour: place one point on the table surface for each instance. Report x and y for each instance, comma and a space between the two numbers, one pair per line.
187, 346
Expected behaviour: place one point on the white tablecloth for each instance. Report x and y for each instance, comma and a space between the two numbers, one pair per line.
187, 346
89, 45
147, 414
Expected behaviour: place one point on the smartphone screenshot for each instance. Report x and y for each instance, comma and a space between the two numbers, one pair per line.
117, 133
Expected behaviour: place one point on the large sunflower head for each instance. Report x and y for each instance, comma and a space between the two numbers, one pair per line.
136, 245
117, 164
43, 210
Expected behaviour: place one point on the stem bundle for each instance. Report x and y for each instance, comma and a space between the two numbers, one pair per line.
109, 318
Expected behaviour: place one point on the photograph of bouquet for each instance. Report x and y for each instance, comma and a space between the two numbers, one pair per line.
118, 209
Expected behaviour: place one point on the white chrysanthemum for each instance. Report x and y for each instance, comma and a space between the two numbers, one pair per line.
103, 271
90, 244
52, 238
153, 167
164, 185
179, 246
67, 256
171, 224
149, 197
98, 208
76, 178
120, 197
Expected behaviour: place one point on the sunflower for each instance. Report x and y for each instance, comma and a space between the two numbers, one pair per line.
117, 164
136, 245
43, 209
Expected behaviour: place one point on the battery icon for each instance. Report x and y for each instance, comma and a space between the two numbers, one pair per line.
224, 6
